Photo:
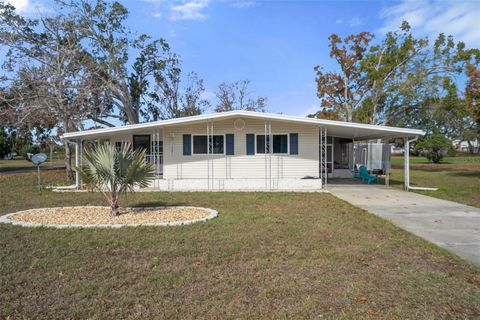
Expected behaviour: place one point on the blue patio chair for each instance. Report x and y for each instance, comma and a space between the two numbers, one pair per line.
369, 178
354, 172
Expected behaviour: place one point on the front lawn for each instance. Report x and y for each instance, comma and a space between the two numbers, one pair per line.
267, 255
458, 178
22, 164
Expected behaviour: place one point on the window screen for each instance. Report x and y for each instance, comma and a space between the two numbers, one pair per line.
280, 143
216, 144
200, 144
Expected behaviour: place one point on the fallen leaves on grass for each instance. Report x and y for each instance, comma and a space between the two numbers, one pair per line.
361, 299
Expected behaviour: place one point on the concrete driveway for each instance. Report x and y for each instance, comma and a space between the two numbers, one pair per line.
450, 225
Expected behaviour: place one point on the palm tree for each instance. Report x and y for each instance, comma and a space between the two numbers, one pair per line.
113, 171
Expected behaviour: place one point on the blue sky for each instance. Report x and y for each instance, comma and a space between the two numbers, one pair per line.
276, 44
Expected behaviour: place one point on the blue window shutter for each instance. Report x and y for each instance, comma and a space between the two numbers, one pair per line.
250, 144
293, 143
187, 144
229, 151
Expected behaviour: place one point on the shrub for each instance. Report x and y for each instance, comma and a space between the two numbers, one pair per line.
434, 147
114, 172
5, 143
28, 148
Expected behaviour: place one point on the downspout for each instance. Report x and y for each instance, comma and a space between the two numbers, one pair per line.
407, 168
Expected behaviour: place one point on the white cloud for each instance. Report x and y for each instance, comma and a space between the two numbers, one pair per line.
353, 22
429, 18
190, 10
28, 7
20, 5
243, 4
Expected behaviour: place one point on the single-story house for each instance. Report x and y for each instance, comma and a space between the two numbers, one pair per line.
243, 150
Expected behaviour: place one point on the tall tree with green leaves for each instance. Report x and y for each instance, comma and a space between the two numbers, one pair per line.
384, 66
343, 92
428, 95
472, 94
401, 80
44, 81
5, 143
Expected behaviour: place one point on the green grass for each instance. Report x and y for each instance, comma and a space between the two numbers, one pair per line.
267, 255
458, 178
398, 160
22, 164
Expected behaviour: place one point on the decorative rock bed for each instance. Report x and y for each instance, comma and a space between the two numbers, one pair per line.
95, 217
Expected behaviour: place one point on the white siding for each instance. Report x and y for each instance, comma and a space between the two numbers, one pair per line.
241, 165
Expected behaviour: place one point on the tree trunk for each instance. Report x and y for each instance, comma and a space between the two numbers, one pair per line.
114, 205
348, 112
470, 146
68, 161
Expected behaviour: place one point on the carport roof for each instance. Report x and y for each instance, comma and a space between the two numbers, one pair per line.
358, 131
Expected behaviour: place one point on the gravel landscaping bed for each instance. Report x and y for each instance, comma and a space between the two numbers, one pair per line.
92, 216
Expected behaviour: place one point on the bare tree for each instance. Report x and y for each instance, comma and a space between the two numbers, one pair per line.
235, 96
174, 101
102, 23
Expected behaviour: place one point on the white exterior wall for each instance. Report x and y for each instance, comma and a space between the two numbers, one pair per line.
241, 165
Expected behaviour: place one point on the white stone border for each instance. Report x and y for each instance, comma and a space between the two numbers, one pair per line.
6, 219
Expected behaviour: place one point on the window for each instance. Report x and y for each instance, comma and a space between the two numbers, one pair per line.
261, 144
199, 144
280, 143
216, 144
279, 146
141, 142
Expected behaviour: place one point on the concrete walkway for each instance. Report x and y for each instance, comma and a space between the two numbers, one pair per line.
450, 225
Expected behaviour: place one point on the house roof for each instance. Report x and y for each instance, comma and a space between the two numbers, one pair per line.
337, 128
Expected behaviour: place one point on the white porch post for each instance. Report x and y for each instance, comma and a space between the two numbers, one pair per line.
406, 158
270, 151
265, 153
77, 164
323, 157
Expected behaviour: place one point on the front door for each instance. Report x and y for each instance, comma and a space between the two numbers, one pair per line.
142, 142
